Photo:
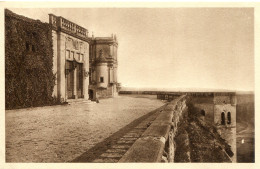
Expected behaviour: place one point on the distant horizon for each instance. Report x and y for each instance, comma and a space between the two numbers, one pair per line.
183, 89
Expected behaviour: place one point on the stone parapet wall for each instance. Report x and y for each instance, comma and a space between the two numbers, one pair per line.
106, 92
157, 143
222, 99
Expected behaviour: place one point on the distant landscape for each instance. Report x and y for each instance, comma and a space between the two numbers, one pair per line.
245, 128
177, 89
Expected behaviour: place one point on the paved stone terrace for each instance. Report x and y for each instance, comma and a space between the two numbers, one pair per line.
115, 152
64, 133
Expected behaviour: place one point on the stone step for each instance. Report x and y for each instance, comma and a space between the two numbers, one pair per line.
78, 101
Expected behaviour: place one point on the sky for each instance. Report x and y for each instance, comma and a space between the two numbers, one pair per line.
209, 48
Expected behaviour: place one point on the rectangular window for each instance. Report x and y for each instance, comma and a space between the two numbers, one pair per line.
78, 56
72, 55
101, 79
67, 54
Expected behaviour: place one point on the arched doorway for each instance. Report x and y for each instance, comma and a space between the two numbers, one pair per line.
229, 118
223, 118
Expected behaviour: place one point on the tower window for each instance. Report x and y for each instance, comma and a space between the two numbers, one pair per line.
229, 118
101, 79
223, 118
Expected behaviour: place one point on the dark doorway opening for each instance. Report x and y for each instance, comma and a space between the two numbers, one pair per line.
91, 94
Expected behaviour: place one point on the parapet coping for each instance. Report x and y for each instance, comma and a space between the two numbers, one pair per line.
150, 146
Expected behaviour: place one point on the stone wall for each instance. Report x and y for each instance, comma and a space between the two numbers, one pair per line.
222, 100
157, 143
208, 109
29, 80
180, 134
105, 92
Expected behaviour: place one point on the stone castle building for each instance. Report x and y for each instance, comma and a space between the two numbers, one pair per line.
103, 67
59, 58
85, 68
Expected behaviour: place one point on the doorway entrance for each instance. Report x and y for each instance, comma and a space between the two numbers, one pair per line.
70, 79
91, 94
79, 80
74, 79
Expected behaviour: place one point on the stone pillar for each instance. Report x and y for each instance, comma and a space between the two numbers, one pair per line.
75, 94
66, 78
86, 68
115, 73
84, 81
62, 66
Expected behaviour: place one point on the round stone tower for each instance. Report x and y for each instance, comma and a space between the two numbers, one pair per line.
101, 70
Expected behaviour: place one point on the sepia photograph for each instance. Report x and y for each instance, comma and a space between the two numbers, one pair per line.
129, 84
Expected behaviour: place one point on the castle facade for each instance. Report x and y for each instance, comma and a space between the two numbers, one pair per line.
85, 68
48, 63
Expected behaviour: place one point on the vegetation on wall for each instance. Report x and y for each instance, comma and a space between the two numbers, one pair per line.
29, 79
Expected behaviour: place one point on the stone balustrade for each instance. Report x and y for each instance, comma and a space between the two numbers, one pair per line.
63, 24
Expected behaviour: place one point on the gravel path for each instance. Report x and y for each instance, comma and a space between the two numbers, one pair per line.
62, 133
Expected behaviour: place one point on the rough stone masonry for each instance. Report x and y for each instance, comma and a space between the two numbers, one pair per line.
179, 135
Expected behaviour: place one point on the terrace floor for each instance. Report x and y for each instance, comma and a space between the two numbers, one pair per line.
63, 133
